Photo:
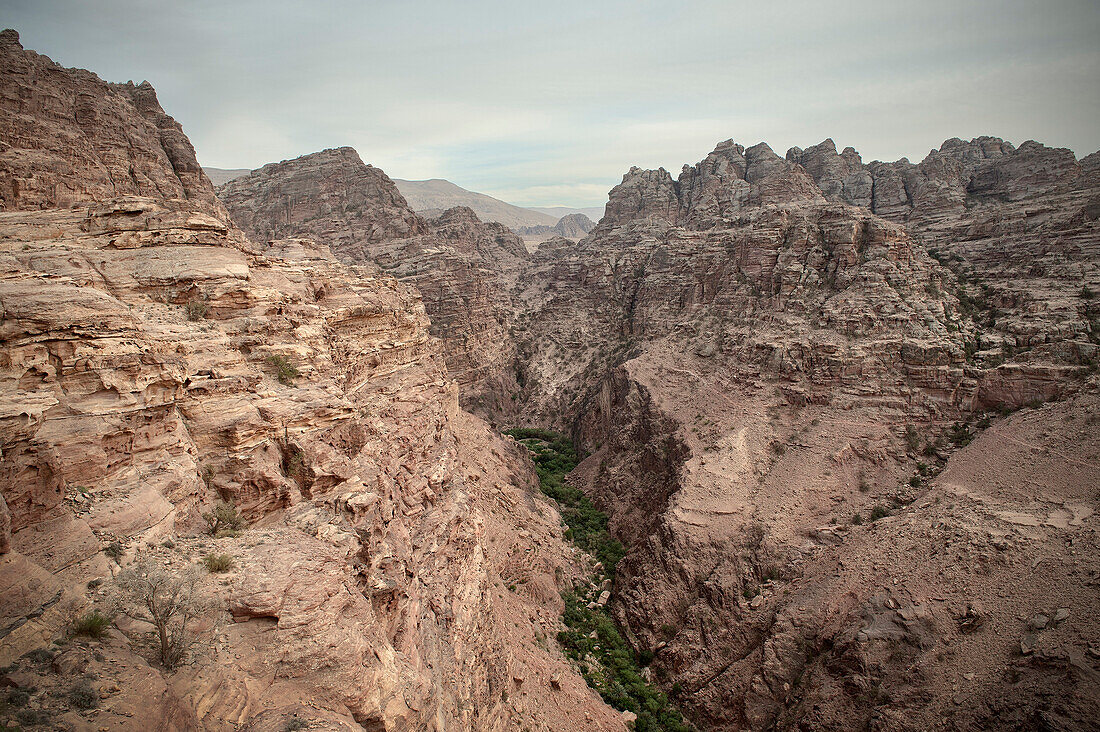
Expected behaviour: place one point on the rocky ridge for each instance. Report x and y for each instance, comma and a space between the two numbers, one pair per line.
156, 360
463, 267
755, 359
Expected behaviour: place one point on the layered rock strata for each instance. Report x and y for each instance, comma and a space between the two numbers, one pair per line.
156, 360
463, 267
754, 357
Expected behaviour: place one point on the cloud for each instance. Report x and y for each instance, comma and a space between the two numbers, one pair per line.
548, 104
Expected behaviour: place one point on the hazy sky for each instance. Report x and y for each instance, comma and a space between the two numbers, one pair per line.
551, 102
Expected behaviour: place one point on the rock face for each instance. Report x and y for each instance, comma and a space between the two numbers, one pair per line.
463, 267
789, 376
155, 360
71, 138
762, 349
573, 226
982, 171
330, 195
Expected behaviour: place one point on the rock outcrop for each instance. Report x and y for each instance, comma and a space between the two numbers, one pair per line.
790, 376
330, 196
71, 138
156, 360
463, 267
763, 349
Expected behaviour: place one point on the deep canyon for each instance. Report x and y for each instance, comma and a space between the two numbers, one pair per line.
841, 416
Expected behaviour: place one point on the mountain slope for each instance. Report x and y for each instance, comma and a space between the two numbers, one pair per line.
394, 566
430, 196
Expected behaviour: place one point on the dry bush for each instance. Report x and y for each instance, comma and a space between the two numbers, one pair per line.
218, 562
167, 598
224, 519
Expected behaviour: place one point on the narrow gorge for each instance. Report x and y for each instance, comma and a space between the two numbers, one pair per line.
781, 443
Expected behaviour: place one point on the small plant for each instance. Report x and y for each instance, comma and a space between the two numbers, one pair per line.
778, 448
1087, 293
196, 310
84, 696
114, 550
960, 434
915, 481
879, 512
932, 447
224, 519
93, 624
285, 371
18, 697
857, 519
218, 563
32, 717
912, 439
294, 723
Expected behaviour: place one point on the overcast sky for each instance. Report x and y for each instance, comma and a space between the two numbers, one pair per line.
549, 103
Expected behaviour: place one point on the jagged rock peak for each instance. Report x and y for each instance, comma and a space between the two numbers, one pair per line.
72, 138
726, 180
958, 173
457, 214
296, 197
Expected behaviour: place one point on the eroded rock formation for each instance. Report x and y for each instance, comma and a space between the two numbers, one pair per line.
789, 375
155, 359
756, 357
570, 226
463, 267
764, 349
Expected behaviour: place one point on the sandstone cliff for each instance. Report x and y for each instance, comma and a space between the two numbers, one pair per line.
758, 353
155, 360
764, 356
841, 414
463, 267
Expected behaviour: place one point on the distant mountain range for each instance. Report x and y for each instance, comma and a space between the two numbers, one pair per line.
220, 176
595, 213
571, 226
430, 197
